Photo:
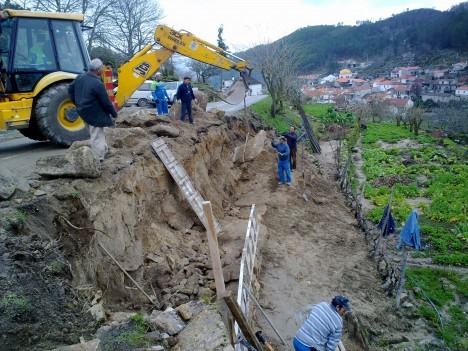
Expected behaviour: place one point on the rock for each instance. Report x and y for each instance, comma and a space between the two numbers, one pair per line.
206, 331
92, 345
407, 304
161, 118
202, 99
141, 118
219, 113
39, 193
205, 292
9, 182
190, 310
6, 187
120, 317
76, 163
97, 311
157, 348
168, 321
163, 130
125, 138
155, 258
153, 336
250, 150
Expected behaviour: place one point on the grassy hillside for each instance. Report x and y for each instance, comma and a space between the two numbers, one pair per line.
420, 32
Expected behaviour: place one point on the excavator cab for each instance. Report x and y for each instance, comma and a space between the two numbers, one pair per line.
38, 53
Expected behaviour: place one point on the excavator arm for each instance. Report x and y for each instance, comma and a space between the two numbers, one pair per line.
146, 62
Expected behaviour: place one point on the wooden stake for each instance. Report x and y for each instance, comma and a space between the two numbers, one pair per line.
241, 321
217, 269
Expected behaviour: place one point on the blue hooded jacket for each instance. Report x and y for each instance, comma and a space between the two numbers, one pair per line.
410, 234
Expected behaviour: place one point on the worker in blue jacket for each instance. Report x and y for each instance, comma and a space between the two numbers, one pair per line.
160, 95
283, 160
185, 95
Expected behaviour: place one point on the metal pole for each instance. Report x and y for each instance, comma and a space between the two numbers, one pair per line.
264, 315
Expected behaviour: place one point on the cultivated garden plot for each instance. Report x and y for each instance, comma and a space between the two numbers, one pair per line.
430, 175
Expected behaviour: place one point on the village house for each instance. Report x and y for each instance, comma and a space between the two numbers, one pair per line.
396, 106
309, 79
462, 91
345, 73
460, 66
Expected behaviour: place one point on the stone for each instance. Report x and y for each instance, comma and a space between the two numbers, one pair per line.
219, 113
202, 99
153, 336
120, 317
188, 310
92, 345
205, 292
9, 182
141, 118
163, 130
168, 321
97, 311
206, 331
251, 149
76, 163
39, 193
155, 258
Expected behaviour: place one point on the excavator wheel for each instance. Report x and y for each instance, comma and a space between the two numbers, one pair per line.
52, 118
33, 132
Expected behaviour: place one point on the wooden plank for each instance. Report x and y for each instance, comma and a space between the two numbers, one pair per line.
340, 347
244, 326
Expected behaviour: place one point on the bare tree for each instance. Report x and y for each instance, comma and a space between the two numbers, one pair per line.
278, 64
203, 70
55, 5
415, 119
131, 25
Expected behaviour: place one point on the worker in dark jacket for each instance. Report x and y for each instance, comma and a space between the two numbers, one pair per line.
283, 160
94, 106
185, 95
292, 143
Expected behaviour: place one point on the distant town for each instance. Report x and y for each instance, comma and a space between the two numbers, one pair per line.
396, 91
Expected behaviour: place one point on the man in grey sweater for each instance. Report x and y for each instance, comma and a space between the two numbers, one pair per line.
94, 106
321, 331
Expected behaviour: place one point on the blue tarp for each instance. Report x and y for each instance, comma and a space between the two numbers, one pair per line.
410, 235
390, 225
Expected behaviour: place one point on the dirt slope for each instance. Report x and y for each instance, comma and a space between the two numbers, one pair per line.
311, 251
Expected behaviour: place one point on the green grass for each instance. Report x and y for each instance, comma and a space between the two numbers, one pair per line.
389, 133
327, 115
444, 288
280, 122
14, 305
135, 337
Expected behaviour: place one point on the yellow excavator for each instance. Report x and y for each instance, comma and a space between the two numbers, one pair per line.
41, 53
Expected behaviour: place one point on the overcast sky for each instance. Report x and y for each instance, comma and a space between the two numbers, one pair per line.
251, 22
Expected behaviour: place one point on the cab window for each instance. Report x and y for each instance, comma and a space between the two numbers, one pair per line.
70, 57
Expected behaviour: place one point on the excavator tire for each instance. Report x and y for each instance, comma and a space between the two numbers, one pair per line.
51, 114
33, 132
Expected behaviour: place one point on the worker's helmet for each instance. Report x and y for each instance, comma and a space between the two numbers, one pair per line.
158, 74
340, 300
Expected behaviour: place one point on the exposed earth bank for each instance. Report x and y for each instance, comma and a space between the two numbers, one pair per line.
53, 273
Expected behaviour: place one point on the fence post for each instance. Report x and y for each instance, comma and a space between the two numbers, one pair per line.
217, 269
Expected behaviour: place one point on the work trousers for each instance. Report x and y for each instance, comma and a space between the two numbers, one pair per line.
298, 346
162, 107
292, 157
186, 106
99, 146
283, 167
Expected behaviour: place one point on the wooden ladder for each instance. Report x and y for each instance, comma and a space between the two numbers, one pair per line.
183, 180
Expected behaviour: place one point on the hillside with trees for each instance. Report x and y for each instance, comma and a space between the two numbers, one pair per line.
420, 32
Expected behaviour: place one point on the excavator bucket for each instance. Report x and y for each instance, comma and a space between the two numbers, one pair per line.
236, 92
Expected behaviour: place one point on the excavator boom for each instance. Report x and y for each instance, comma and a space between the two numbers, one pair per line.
146, 62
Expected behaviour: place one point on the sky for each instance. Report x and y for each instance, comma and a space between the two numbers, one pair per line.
248, 23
